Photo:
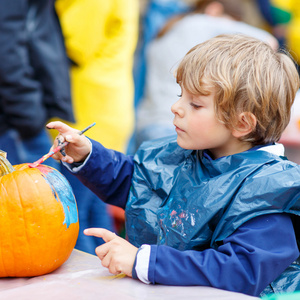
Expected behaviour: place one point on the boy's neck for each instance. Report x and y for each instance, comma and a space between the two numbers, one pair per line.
230, 149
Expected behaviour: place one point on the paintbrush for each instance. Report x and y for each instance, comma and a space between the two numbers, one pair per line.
56, 149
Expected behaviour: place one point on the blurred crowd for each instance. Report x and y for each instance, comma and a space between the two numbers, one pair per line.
113, 63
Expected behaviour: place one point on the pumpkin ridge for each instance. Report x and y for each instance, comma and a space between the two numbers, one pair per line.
25, 252
3, 267
27, 239
7, 234
48, 245
11, 235
27, 224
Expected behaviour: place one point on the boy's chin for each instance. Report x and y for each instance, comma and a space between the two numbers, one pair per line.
182, 145
186, 146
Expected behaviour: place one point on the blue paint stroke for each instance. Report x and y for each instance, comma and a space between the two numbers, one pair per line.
62, 192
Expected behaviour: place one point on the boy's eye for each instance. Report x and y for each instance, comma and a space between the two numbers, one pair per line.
195, 105
180, 95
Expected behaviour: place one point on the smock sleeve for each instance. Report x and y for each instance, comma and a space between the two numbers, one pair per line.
247, 261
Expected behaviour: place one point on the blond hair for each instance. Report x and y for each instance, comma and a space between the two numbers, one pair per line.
248, 76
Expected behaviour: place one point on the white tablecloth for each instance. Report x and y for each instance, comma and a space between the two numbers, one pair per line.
83, 277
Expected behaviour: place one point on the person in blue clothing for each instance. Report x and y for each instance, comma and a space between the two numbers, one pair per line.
217, 204
34, 78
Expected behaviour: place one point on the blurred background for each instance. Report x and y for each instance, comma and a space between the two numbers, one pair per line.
112, 62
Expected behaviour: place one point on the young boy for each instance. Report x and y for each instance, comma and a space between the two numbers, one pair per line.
219, 206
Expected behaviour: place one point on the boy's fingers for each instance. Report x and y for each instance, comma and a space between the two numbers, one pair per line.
69, 138
101, 251
60, 126
105, 234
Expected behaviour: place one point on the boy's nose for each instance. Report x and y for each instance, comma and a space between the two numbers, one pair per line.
177, 109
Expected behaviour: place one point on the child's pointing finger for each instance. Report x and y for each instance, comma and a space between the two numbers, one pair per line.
105, 234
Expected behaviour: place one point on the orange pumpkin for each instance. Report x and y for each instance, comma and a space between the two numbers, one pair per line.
38, 220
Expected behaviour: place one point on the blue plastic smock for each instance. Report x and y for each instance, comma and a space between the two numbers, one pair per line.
185, 200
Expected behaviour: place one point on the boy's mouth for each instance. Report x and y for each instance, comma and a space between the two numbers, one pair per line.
178, 129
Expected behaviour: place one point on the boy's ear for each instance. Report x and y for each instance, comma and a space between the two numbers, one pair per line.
246, 124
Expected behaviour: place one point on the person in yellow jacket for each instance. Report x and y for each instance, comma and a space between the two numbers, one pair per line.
293, 30
100, 38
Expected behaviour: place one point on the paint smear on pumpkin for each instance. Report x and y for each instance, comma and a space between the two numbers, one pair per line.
62, 192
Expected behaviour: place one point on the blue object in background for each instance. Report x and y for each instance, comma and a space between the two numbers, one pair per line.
157, 13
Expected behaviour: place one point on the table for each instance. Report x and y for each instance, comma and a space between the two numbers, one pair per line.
82, 277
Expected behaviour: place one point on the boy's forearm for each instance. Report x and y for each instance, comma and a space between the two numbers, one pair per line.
107, 173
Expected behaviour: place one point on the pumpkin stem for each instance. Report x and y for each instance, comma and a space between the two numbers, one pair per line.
5, 165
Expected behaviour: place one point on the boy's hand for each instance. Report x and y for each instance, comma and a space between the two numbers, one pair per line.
116, 254
78, 148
